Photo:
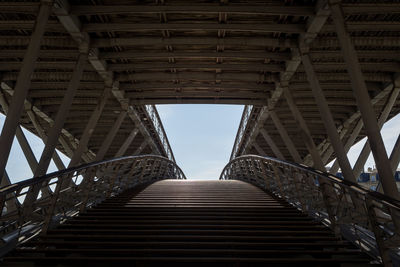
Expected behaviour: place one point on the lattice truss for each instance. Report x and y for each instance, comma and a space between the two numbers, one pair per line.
284, 58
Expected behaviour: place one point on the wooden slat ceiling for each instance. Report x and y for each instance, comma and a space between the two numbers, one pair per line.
222, 52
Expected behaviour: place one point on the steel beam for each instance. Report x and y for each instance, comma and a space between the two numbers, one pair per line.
115, 27
91, 124
327, 149
55, 131
73, 25
285, 137
121, 151
256, 67
22, 86
84, 10
259, 149
39, 129
271, 144
314, 25
364, 103
353, 136
366, 150
23, 142
110, 136
327, 119
304, 131
395, 155
134, 54
154, 41
141, 147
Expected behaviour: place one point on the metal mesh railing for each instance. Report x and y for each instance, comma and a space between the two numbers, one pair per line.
155, 118
368, 219
38, 204
242, 128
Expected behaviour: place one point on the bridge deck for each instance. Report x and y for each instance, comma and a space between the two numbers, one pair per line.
224, 223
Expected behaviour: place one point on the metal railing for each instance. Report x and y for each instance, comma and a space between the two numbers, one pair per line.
242, 128
369, 219
35, 205
155, 118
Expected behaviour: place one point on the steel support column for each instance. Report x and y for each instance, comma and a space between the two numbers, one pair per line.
121, 151
141, 147
23, 83
110, 136
285, 137
55, 131
327, 119
364, 103
395, 155
39, 129
91, 124
271, 144
259, 149
366, 150
23, 142
347, 146
304, 131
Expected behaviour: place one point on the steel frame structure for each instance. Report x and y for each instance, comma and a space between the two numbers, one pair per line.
35, 205
369, 219
316, 76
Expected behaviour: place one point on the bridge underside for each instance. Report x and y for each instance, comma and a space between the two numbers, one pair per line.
309, 67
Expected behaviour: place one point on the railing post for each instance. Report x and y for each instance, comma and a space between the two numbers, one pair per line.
88, 182
278, 179
299, 190
113, 179
264, 173
378, 232
53, 203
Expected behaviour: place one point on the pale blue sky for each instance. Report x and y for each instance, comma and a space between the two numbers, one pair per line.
201, 138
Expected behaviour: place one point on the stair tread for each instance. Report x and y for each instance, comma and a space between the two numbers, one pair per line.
191, 222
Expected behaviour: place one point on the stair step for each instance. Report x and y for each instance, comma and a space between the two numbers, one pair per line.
220, 223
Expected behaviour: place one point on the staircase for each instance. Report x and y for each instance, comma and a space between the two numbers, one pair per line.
190, 223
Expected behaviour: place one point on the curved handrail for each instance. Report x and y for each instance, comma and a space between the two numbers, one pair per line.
35, 205
29, 182
329, 176
369, 219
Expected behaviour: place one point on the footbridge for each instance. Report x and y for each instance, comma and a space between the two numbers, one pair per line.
315, 77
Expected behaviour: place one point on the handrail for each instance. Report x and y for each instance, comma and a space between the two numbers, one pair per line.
35, 205
242, 127
156, 120
369, 219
